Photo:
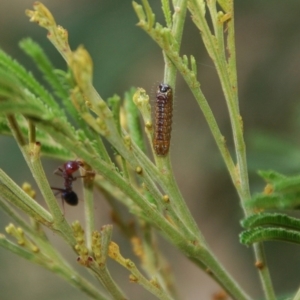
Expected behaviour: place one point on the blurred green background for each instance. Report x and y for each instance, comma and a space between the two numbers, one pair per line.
268, 51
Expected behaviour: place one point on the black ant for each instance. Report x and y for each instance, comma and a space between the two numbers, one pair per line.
66, 171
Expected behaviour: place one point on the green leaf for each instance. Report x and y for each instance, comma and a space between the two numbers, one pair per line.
114, 103
284, 192
281, 183
133, 120
167, 12
26, 78
224, 4
275, 219
149, 13
38, 55
58, 80
271, 176
261, 234
274, 201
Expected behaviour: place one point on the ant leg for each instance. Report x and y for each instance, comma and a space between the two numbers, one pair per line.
57, 193
59, 171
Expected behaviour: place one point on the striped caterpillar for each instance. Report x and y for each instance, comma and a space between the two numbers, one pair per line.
163, 119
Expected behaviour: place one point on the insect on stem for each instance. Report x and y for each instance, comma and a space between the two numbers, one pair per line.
163, 119
66, 171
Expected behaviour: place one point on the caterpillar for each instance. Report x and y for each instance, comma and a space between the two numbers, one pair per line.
163, 119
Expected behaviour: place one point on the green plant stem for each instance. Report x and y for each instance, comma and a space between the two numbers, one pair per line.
264, 273
101, 148
154, 263
83, 285
16, 130
99, 266
164, 163
178, 20
231, 65
152, 288
89, 209
230, 92
136, 276
219, 274
218, 57
204, 258
105, 239
31, 132
174, 208
171, 186
105, 278
208, 114
170, 77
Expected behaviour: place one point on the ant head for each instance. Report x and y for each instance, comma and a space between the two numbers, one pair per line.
72, 166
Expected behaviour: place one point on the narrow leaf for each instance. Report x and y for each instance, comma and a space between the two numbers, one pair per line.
276, 201
275, 219
25, 77
261, 234
167, 12
133, 120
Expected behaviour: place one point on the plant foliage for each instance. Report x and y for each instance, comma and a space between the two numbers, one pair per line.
68, 119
